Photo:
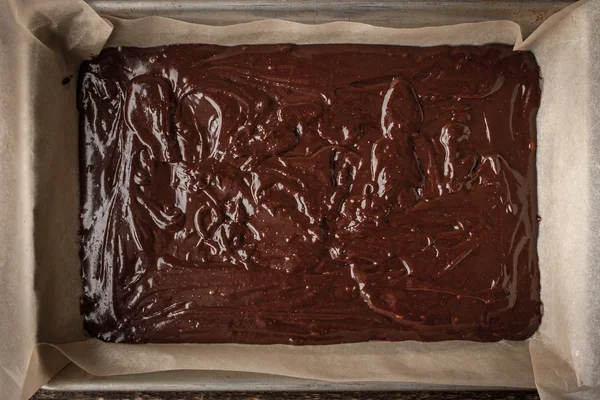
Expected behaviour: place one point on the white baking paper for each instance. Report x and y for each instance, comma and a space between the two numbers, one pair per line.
566, 350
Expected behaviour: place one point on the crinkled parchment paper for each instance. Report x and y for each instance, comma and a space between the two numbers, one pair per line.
42, 43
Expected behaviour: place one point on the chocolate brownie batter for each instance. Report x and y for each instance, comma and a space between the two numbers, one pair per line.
309, 194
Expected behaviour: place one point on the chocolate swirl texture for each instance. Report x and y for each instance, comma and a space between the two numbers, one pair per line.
309, 194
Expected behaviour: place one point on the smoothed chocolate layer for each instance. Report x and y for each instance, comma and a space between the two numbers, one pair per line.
309, 194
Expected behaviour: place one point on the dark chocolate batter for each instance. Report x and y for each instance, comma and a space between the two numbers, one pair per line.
309, 194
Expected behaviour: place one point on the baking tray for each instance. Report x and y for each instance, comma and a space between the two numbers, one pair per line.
389, 13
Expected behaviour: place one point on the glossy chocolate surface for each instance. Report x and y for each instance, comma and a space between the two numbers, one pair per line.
309, 194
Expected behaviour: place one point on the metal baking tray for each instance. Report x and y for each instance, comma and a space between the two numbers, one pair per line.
389, 13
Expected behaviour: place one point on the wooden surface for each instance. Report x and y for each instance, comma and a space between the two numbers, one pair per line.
51, 395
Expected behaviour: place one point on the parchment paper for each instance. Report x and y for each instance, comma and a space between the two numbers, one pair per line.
43, 42
566, 350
